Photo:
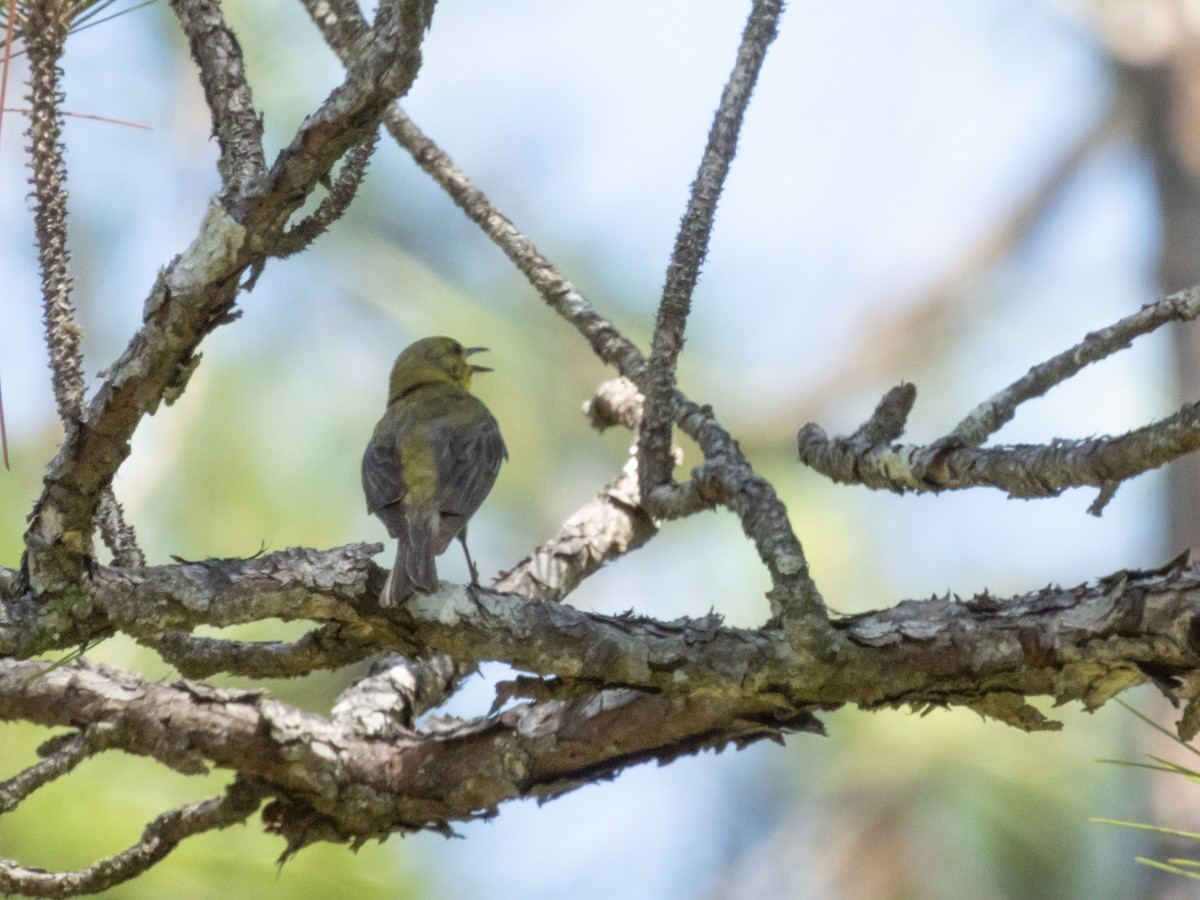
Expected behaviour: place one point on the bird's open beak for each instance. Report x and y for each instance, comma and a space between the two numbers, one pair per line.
473, 367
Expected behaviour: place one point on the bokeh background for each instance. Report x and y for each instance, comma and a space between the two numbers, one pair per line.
937, 192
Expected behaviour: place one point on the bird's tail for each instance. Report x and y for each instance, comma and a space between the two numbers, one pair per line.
414, 569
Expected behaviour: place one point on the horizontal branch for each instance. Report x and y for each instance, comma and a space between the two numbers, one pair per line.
148, 604
1023, 470
612, 691
358, 788
1084, 643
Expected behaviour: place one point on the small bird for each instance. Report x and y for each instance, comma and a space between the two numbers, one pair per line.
432, 460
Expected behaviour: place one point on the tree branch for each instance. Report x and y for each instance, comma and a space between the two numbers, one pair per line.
161, 836
1085, 643
956, 461
990, 416
689, 685
1022, 470
691, 246
237, 126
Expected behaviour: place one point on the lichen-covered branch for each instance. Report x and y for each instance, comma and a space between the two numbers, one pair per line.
1022, 470
237, 125
684, 686
1084, 643
332, 783
956, 461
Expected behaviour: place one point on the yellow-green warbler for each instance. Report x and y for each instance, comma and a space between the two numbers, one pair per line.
431, 461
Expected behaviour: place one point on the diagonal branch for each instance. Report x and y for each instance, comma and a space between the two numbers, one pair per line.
161, 836
691, 246
990, 416
237, 125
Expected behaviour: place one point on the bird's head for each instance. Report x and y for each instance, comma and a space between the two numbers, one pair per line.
431, 360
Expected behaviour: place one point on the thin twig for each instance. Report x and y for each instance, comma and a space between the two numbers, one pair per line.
609, 345
691, 246
991, 415
333, 205
161, 836
70, 751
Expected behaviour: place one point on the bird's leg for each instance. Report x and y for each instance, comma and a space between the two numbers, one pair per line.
462, 537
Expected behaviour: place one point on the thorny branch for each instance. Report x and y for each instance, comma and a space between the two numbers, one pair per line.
47, 26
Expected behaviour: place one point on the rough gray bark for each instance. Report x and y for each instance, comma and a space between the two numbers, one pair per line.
606, 691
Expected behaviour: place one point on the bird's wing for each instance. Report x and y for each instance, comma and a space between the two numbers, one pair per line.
468, 463
382, 473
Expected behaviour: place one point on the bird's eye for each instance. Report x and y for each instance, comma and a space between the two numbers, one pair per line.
457, 349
